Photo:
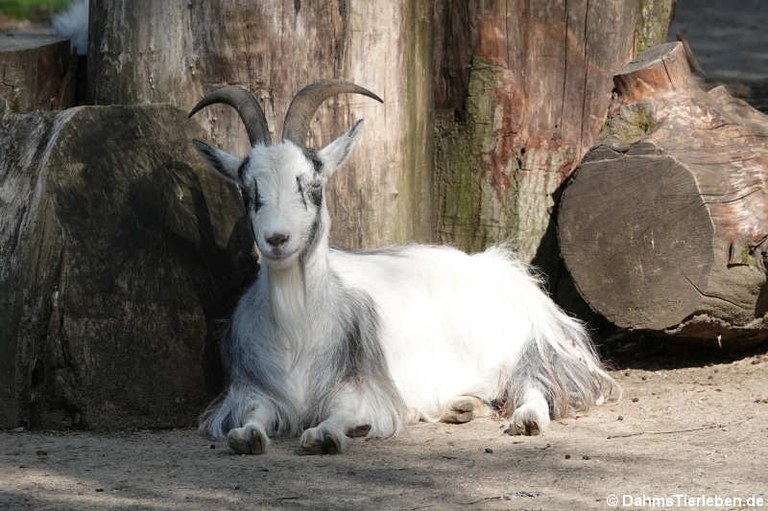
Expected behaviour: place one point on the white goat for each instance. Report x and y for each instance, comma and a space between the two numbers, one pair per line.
337, 344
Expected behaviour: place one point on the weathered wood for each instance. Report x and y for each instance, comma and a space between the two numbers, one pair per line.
653, 19
119, 258
274, 48
37, 72
665, 224
521, 92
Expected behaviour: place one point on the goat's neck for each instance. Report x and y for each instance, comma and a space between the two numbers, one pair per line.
301, 293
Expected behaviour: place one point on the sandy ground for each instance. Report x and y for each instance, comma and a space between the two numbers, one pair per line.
698, 432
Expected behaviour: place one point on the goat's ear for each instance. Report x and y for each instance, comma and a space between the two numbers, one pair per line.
225, 164
336, 153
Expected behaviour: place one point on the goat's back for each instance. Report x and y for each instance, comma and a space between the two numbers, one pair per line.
451, 323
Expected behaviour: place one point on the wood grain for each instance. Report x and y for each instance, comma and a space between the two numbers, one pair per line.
118, 263
274, 48
37, 72
520, 94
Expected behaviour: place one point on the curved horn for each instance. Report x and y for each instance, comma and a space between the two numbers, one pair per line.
307, 101
246, 105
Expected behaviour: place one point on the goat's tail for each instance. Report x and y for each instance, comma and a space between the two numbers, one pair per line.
558, 359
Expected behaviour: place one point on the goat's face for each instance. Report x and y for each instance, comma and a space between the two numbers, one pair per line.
283, 187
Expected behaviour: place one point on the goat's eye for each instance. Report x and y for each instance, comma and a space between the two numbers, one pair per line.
251, 199
315, 193
312, 191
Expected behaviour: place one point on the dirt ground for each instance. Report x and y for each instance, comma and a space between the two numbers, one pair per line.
678, 433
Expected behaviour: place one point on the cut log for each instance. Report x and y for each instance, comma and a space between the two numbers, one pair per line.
664, 225
37, 72
119, 258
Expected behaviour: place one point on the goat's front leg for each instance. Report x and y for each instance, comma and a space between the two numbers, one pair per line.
251, 437
346, 419
532, 416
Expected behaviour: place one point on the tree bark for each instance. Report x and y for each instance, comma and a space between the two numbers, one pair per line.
274, 48
521, 92
37, 72
665, 224
118, 262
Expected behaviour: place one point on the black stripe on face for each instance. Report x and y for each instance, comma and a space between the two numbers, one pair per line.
250, 194
301, 191
315, 193
242, 168
311, 155
251, 199
313, 230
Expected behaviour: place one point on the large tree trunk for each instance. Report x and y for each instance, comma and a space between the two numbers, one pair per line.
274, 48
665, 225
521, 92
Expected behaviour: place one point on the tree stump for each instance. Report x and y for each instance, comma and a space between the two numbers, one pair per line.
521, 90
120, 258
37, 72
664, 225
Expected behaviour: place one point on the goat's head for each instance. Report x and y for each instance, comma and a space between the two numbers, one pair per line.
283, 184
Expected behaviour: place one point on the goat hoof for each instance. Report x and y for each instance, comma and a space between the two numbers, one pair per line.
318, 441
359, 431
247, 440
463, 410
527, 421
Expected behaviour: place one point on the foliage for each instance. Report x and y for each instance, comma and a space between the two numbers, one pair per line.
31, 9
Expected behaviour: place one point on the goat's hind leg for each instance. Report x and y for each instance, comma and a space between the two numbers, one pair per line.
464, 409
531, 417
251, 437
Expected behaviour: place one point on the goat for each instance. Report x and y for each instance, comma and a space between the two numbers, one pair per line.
330, 343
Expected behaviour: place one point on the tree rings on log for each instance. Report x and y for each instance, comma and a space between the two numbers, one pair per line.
641, 229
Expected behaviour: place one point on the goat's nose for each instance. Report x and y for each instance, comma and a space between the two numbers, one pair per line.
278, 239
